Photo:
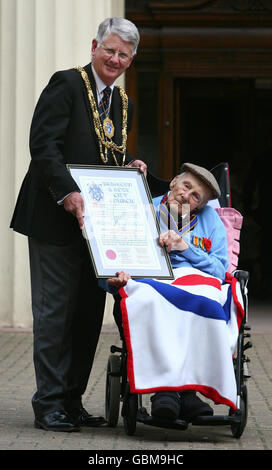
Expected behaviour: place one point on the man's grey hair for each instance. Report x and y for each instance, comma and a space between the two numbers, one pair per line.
124, 28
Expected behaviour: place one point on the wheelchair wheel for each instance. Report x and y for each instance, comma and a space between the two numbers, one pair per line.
130, 413
237, 429
113, 386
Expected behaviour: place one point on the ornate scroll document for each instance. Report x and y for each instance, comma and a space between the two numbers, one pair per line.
121, 227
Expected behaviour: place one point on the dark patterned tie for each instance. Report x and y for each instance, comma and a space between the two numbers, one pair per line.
103, 107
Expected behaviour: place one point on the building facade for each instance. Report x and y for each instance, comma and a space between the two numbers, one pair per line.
203, 66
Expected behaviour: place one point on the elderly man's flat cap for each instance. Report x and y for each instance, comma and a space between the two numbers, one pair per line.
204, 175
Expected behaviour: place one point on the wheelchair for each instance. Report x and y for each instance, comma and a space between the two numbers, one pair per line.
117, 385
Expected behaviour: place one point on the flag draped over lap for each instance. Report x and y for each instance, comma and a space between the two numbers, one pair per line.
182, 334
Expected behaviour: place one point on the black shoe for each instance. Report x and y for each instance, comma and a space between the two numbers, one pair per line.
165, 405
192, 407
82, 418
56, 421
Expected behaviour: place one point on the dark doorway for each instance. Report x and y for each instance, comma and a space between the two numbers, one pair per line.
215, 121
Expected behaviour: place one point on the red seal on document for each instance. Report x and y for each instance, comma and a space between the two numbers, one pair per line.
111, 254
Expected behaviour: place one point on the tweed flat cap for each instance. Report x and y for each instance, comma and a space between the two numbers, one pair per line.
205, 175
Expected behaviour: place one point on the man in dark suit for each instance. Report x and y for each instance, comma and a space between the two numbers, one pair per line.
67, 303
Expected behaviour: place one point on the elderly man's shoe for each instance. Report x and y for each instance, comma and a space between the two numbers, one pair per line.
56, 421
192, 406
82, 418
165, 405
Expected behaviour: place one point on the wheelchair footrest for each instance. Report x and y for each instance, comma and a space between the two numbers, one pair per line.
215, 420
145, 418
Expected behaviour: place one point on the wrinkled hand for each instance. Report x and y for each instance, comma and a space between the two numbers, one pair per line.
75, 205
119, 281
139, 164
172, 241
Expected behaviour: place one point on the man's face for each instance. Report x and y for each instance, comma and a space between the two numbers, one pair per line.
188, 190
111, 58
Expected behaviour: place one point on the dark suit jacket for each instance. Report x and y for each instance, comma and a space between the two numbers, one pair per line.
62, 132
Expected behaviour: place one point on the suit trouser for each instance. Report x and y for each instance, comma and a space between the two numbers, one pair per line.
68, 309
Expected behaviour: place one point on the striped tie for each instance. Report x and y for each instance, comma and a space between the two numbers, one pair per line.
103, 107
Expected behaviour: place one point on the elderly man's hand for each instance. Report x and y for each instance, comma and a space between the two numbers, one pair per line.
139, 164
172, 241
119, 281
75, 204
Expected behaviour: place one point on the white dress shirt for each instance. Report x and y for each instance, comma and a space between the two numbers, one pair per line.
100, 86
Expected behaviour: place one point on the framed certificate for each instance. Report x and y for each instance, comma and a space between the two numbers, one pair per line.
120, 223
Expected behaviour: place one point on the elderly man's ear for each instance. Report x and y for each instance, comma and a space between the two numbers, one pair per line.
173, 182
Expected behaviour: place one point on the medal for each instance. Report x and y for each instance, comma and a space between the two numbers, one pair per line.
108, 128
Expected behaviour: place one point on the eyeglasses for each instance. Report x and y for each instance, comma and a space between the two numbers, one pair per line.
111, 52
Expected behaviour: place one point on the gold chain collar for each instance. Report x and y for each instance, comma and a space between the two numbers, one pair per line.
103, 141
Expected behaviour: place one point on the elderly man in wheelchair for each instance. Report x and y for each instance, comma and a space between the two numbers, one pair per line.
181, 335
